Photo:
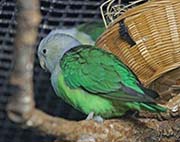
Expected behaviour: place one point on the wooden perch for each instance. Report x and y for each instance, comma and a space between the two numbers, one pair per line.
21, 107
110, 130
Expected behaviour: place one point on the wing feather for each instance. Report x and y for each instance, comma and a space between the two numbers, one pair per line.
101, 73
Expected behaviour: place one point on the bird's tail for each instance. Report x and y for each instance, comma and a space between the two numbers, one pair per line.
151, 93
153, 107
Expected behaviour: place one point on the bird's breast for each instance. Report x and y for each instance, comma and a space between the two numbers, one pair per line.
80, 99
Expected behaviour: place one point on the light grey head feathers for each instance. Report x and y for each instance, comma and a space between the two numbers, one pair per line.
52, 48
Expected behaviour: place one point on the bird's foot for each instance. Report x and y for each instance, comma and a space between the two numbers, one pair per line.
97, 119
90, 116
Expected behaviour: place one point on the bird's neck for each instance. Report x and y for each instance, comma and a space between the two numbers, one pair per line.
70, 46
67, 44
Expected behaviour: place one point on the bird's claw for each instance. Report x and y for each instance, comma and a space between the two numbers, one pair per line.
90, 116
97, 119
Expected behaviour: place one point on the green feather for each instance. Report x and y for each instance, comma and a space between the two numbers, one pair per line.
105, 68
99, 75
93, 29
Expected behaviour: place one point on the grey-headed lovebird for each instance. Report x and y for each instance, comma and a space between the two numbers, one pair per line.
92, 79
86, 33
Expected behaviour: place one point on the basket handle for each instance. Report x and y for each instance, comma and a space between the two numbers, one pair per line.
124, 33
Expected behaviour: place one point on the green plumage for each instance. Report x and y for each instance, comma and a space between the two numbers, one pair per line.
93, 80
93, 29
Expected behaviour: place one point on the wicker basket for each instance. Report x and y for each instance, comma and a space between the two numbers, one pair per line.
155, 29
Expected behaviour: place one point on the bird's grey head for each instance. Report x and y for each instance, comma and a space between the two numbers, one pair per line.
52, 48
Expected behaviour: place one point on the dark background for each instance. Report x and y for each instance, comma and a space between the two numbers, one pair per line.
56, 13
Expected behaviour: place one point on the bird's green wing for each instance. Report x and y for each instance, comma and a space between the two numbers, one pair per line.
101, 73
93, 29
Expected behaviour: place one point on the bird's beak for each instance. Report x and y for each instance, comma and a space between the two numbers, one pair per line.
43, 65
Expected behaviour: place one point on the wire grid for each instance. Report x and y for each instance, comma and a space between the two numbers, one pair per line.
56, 13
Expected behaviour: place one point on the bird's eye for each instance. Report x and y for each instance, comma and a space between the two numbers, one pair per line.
44, 51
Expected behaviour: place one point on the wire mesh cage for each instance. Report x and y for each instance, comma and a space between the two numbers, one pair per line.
56, 13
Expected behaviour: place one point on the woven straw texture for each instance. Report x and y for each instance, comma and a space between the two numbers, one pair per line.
155, 28
168, 84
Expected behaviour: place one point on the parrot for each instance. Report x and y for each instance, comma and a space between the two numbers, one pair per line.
92, 80
86, 33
